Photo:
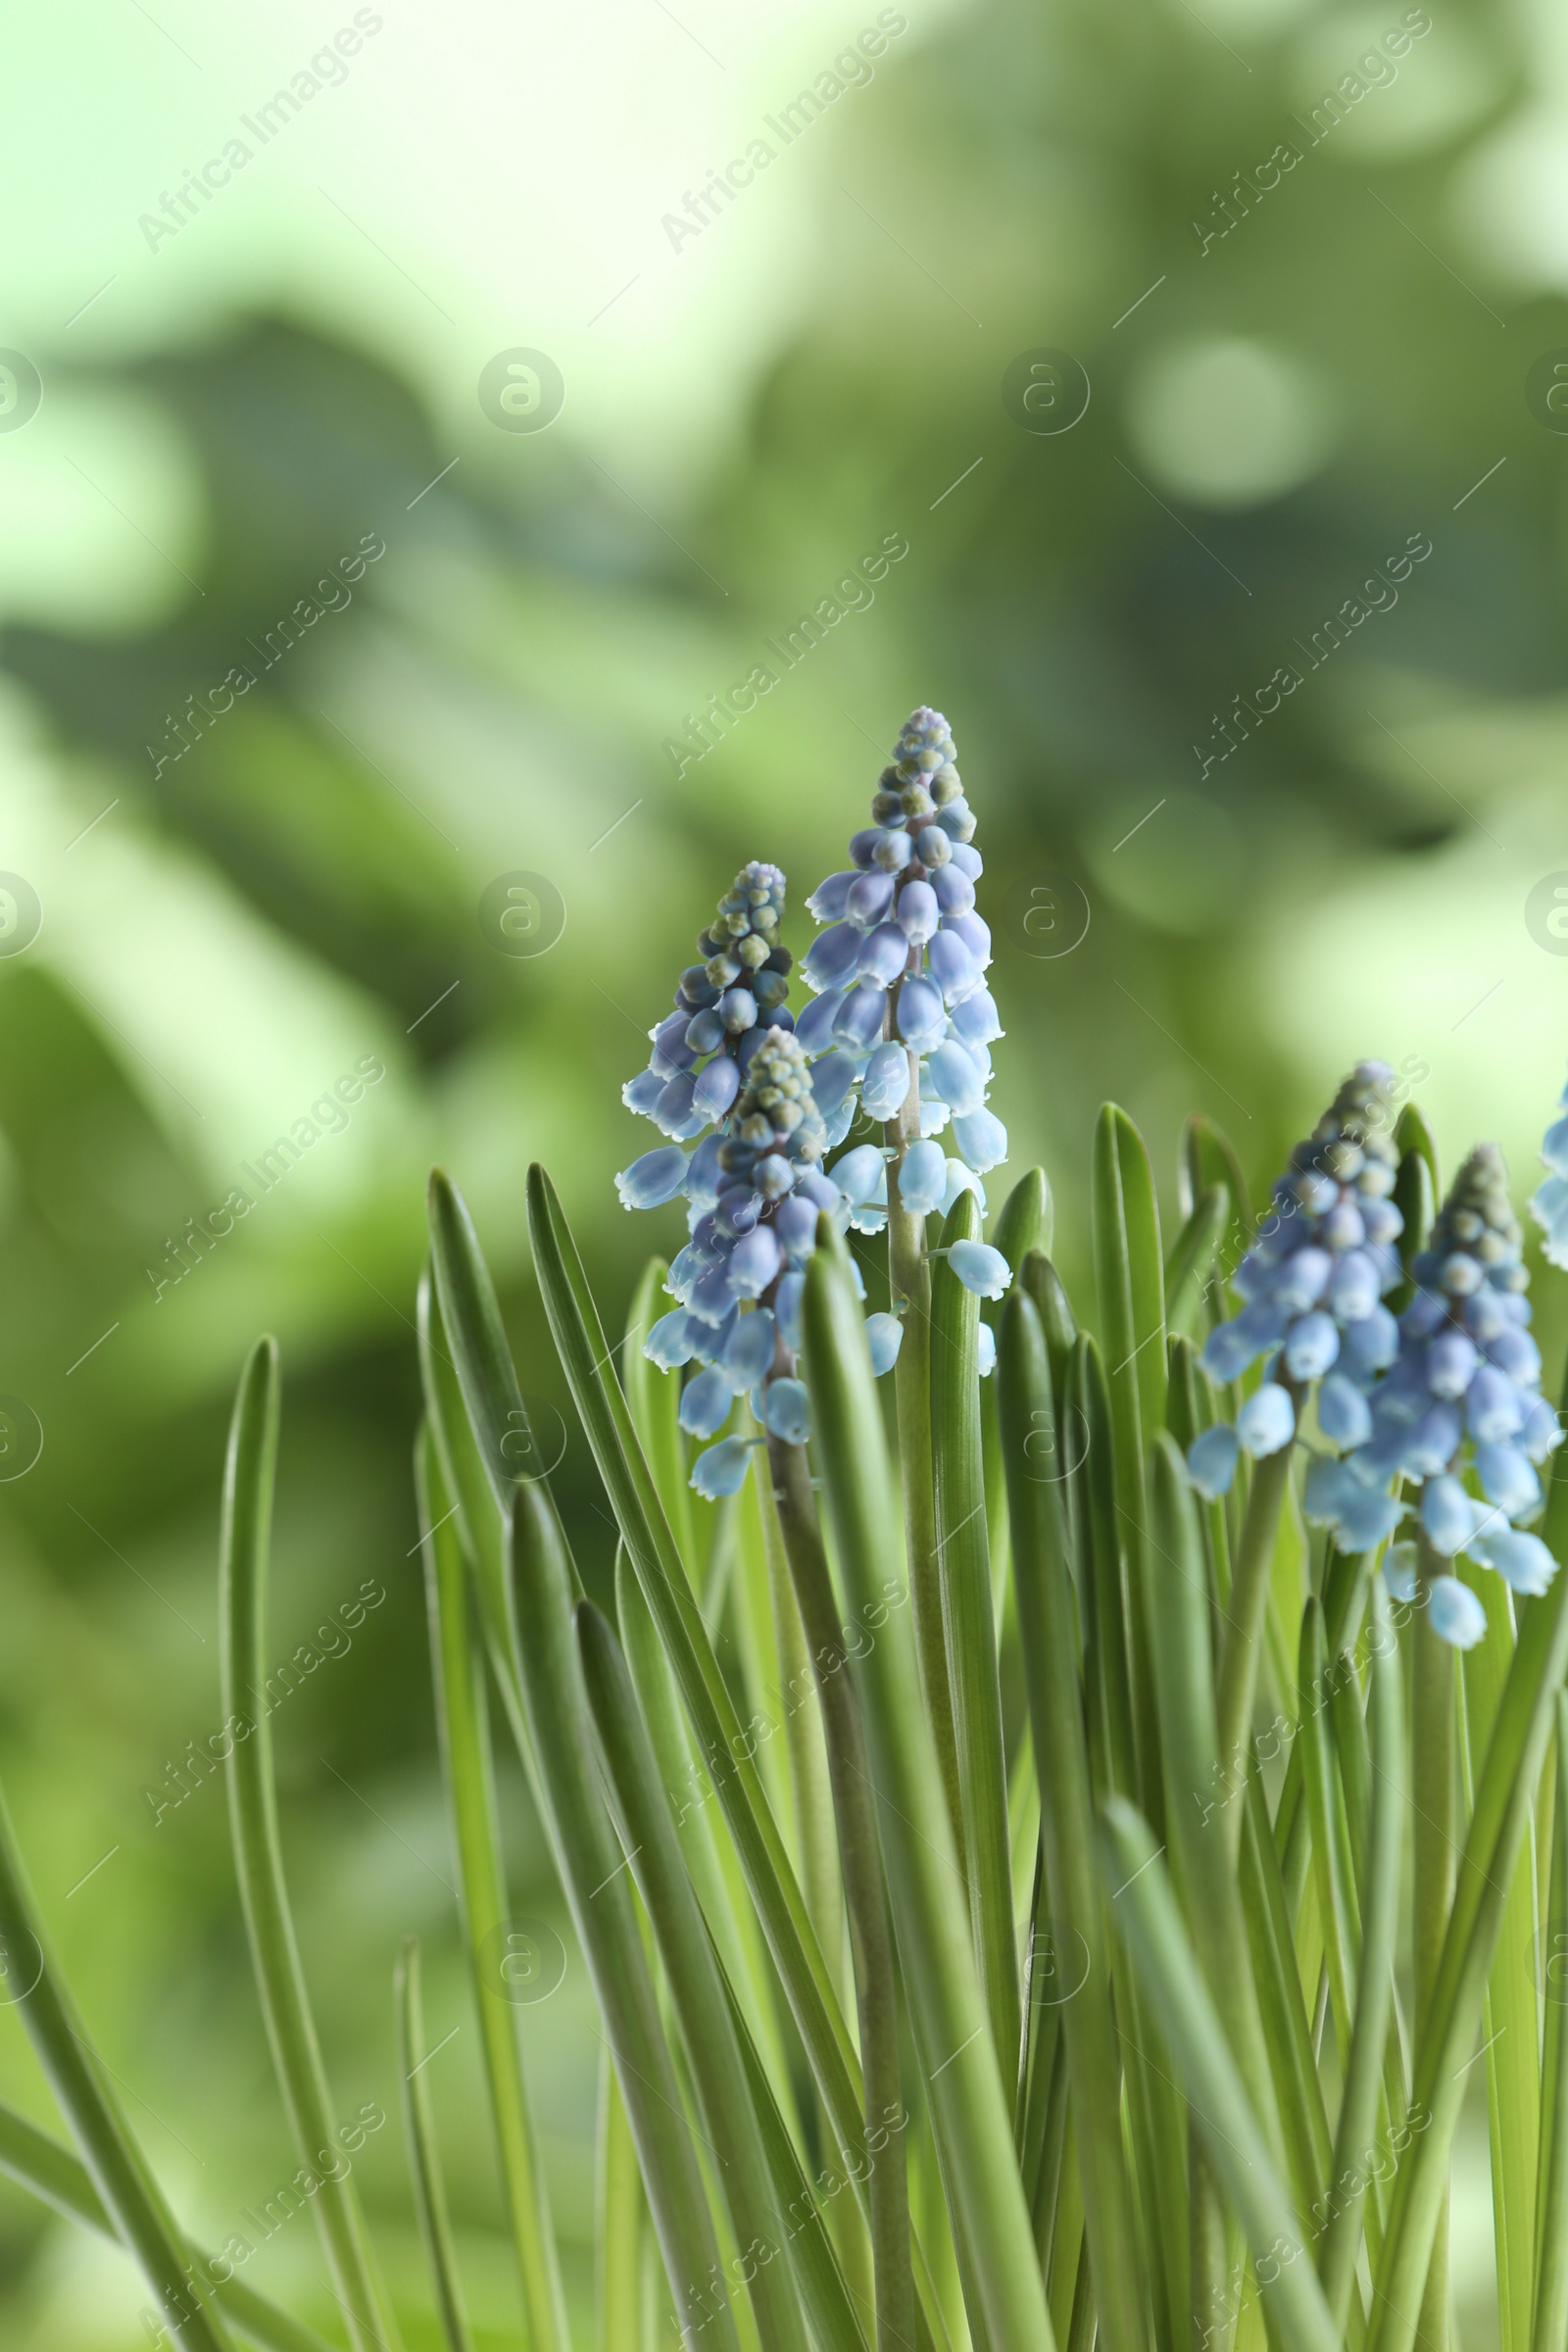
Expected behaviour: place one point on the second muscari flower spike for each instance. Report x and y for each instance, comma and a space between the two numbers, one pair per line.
1313, 1285
1549, 1205
1462, 1395
900, 972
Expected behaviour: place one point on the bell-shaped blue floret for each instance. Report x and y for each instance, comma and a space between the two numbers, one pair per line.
1451, 1361
749, 1351
982, 1139
814, 1028
787, 1410
955, 1079
1508, 1479
1342, 1413
977, 1021
1302, 1280
657, 1177
831, 1080
860, 1018
1522, 1561
827, 901
1494, 1408
1311, 1345
922, 1015
1433, 1442
1456, 1615
1366, 1517
918, 912
832, 956
960, 1180
988, 1351
641, 1094
884, 1336
787, 1310
753, 1263
980, 1268
717, 1088
886, 1084
884, 953
1211, 1460
1447, 1514
667, 1344
704, 1404
1372, 1342
922, 1179
859, 1173
1266, 1422
952, 968
722, 1469
1542, 1432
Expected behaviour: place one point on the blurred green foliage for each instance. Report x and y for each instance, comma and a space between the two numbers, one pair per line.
1273, 413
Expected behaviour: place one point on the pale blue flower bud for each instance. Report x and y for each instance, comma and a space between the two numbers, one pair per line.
976, 1020
1433, 1442
859, 1173
1508, 1479
955, 1079
722, 1469
1447, 1514
1456, 1615
1451, 1362
1523, 1561
1228, 1351
748, 1350
952, 968
753, 1263
831, 1080
922, 1179
919, 911
1354, 1290
894, 851
982, 1139
922, 1015
1311, 1345
705, 1404
787, 1412
1372, 1342
885, 1337
955, 892
814, 1028
862, 846
960, 1179
716, 1087
1542, 1432
1211, 1460
787, 1310
828, 900
658, 1176
1266, 1422
980, 1268
832, 956
861, 1018
870, 897
884, 953
886, 1084
1342, 1413
641, 1094
667, 1344
1301, 1280
988, 1351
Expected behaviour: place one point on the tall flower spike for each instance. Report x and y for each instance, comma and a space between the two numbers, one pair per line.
753, 1189
1548, 1206
1313, 1283
1462, 1399
899, 974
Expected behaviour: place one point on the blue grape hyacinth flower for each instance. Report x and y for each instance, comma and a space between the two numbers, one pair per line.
903, 1013
1461, 1401
1549, 1205
1312, 1285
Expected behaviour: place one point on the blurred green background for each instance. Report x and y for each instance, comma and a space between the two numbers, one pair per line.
1293, 378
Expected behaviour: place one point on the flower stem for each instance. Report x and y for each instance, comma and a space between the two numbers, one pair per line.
871, 1934
1244, 1617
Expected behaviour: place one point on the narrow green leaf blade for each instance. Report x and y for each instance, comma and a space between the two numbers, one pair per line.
424, 2154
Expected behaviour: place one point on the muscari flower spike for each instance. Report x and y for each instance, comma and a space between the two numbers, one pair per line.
1461, 1398
753, 1188
899, 976
1548, 1206
1313, 1283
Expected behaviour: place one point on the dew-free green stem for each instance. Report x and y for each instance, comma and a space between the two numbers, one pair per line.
248, 1483
865, 1896
963, 1557
462, 1720
971, 2113
1550, 2327
1246, 1616
1044, 1580
424, 2156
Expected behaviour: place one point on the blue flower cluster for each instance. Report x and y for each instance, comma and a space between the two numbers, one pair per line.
1548, 1206
1313, 1283
900, 973
1463, 1395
